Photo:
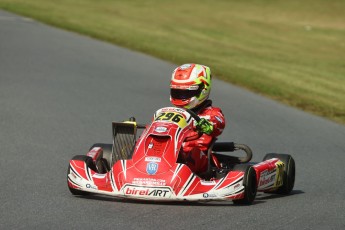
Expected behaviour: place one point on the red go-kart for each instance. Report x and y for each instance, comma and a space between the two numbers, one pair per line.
150, 168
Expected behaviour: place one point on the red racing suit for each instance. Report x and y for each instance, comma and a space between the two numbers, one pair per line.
195, 152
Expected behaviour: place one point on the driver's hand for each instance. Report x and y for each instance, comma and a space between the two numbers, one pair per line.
202, 143
204, 126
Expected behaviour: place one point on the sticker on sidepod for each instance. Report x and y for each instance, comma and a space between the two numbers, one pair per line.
267, 178
151, 168
161, 129
153, 159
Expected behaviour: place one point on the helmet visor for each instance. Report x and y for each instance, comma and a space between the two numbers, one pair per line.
186, 93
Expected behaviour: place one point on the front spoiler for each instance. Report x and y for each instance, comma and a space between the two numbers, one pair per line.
217, 191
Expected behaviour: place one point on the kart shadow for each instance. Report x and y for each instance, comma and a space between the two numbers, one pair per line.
270, 196
260, 198
166, 203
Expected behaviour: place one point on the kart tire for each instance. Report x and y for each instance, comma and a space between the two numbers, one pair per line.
107, 153
90, 164
289, 172
249, 183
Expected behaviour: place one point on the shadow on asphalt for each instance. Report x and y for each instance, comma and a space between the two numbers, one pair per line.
260, 198
270, 196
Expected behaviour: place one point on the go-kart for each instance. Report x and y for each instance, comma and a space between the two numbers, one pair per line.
149, 167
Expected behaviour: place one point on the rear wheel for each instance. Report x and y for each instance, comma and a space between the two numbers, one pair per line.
249, 183
289, 172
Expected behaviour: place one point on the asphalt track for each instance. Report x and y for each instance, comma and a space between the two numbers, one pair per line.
59, 93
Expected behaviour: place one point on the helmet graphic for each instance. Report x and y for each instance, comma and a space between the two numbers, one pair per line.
190, 85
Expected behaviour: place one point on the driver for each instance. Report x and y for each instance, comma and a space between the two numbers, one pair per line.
190, 88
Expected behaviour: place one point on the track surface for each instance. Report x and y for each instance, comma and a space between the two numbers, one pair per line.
59, 93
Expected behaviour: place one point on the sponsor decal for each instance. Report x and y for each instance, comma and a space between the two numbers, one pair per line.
151, 168
91, 186
148, 181
72, 174
267, 177
236, 186
265, 181
171, 109
161, 129
147, 191
179, 110
233, 188
153, 159
192, 87
219, 119
265, 172
209, 195
150, 146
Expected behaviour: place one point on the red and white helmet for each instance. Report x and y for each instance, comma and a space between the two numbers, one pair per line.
190, 85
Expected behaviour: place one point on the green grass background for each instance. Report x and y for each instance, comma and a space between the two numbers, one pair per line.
292, 51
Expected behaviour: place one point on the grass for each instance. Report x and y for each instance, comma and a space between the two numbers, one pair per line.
292, 51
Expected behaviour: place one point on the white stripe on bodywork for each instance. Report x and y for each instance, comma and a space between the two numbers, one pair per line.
189, 182
75, 171
112, 181
178, 168
88, 173
219, 182
124, 169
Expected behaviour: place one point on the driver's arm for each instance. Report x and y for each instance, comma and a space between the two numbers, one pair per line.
212, 121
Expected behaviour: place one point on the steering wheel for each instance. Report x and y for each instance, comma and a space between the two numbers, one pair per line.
197, 119
194, 115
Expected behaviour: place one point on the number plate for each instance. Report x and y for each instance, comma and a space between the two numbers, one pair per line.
172, 117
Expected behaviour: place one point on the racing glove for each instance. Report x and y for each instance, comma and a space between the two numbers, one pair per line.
202, 143
204, 126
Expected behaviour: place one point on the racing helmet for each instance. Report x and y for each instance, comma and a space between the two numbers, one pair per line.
190, 85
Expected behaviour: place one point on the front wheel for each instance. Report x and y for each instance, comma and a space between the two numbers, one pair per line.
289, 172
249, 183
